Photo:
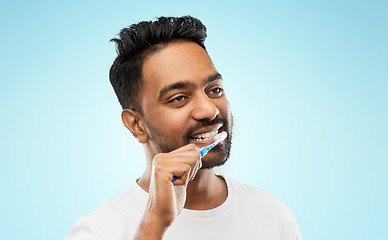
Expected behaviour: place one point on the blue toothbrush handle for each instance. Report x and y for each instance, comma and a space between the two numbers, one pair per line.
203, 151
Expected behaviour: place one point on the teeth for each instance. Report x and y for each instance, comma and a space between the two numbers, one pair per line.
205, 136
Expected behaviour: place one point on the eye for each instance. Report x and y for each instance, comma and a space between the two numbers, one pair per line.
177, 99
216, 92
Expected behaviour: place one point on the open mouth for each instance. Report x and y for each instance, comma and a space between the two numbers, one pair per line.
204, 136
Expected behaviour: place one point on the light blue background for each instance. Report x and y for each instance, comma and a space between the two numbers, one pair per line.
307, 81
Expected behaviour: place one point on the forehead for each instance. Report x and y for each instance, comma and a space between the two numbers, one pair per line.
180, 61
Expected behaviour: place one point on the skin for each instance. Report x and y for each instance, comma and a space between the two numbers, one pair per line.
164, 128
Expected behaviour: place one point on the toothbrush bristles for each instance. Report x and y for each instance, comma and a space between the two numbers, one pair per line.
220, 137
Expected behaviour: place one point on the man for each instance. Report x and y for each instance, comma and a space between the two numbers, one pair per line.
174, 103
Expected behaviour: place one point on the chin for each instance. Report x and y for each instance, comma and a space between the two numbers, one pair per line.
215, 159
212, 165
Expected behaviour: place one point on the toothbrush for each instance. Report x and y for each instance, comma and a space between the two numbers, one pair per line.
203, 151
217, 139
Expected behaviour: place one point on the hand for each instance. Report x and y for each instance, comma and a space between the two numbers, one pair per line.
167, 198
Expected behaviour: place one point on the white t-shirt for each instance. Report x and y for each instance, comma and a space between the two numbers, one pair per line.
247, 213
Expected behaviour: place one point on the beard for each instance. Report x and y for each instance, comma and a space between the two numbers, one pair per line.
216, 157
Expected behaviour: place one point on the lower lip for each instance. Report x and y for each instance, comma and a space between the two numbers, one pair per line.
202, 143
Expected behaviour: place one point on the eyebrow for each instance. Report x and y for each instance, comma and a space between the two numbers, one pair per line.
213, 78
185, 85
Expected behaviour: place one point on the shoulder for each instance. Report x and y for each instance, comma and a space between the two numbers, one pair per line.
116, 217
258, 200
129, 202
269, 212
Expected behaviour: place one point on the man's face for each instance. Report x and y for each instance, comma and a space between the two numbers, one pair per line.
183, 101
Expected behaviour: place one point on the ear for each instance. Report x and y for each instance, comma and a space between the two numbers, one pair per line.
134, 121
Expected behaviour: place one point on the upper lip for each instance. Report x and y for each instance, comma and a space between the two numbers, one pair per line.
207, 129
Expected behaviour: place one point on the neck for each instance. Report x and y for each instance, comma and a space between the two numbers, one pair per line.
206, 191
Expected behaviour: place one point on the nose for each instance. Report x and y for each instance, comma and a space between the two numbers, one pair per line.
204, 108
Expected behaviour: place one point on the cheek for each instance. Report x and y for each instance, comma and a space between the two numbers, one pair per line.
172, 121
225, 108
177, 122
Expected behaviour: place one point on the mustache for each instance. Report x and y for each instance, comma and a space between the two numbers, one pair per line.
204, 123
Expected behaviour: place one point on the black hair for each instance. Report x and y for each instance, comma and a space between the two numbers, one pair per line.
138, 41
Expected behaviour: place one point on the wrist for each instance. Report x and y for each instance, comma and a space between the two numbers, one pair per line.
152, 227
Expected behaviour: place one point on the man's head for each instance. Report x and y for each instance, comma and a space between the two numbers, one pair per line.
138, 41
169, 89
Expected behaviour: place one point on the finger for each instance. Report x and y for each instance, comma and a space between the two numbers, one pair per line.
182, 172
188, 157
188, 147
194, 164
195, 170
